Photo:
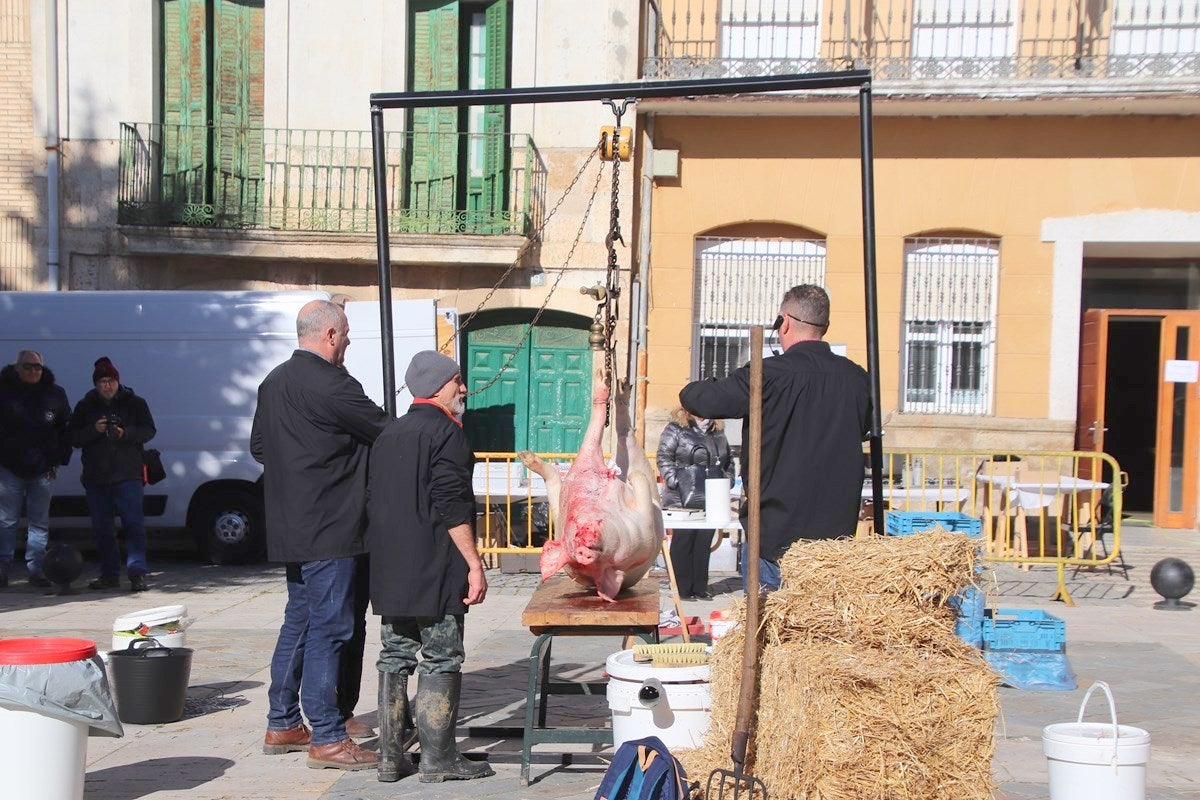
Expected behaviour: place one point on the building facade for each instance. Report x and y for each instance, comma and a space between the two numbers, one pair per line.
1034, 160
225, 144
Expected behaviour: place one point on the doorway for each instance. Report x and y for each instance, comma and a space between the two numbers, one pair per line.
1138, 402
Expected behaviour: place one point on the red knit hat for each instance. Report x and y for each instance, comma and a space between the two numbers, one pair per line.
105, 369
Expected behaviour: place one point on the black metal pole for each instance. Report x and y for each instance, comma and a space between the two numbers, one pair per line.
383, 248
867, 160
636, 90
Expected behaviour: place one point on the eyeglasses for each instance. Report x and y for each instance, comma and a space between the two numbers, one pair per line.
29, 365
779, 322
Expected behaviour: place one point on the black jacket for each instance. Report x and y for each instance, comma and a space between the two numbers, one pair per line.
33, 424
816, 414
420, 488
681, 446
312, 429
107, 459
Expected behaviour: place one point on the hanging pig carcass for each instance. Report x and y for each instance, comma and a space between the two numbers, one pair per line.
609, 521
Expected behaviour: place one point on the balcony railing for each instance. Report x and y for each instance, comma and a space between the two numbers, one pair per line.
321, 180
923, 40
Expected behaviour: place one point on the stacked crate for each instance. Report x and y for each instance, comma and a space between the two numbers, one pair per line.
1028, 648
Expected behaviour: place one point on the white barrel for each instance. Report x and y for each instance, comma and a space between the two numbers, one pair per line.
672, 703
41, 756
716, 500
166, 624
1095, 760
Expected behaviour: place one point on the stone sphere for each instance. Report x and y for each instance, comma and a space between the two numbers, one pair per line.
1172, 578
63, 564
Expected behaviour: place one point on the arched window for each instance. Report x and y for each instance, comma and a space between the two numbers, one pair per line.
949, 324
739, 282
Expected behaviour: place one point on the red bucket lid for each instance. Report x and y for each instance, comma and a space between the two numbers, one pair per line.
47, 650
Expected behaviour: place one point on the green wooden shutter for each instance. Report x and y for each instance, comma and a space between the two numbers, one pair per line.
495, 121
185, 106
237, 108
433, 153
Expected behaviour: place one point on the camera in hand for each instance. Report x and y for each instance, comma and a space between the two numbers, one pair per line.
113, 421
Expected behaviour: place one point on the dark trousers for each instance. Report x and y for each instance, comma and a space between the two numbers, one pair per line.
350, 672
318, 623
689, 559
439, 641
123, 500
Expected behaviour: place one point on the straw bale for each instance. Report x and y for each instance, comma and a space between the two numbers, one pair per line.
864, 690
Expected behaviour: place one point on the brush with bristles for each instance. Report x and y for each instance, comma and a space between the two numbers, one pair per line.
679, 660
649, 652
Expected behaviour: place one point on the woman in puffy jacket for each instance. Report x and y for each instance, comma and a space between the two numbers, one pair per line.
688, 440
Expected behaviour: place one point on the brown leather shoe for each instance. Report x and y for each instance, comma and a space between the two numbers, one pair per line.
288, 741
341, 755
357, 729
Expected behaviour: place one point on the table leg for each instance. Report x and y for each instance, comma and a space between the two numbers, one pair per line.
537, 666
675, 590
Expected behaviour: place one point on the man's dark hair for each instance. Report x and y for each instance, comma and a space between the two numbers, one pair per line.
807, 303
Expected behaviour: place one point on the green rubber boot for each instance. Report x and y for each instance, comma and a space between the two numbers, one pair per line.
437, 714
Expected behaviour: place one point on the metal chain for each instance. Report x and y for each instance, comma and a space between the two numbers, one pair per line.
561, 273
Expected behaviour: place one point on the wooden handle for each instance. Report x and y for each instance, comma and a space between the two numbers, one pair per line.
753, 450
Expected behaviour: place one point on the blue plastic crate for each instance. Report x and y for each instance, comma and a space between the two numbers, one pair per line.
903, 523
1023, 629
968, 604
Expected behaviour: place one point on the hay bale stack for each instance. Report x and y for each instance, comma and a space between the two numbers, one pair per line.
864, 690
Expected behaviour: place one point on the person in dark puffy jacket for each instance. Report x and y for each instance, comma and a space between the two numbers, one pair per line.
689, 440
34, 414
111, 424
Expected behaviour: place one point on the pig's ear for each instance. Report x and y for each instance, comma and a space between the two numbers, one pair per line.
554, 558
608, 584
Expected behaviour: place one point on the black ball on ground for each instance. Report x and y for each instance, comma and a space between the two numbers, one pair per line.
1172, 578
63, 564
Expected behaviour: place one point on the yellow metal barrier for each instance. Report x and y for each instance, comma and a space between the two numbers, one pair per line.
1051, 508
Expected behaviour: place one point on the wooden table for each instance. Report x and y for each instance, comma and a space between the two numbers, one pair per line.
561, 607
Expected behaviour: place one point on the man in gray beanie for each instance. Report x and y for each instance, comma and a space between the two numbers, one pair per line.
425, 570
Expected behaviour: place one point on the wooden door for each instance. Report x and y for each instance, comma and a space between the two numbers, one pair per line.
497, 418
560, 397
1176, 449
1089, 418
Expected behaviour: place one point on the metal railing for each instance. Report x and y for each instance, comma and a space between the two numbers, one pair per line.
321, 180
1033, 508
923, 40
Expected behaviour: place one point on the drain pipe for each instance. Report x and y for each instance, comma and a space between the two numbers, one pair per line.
639, 324
52, 149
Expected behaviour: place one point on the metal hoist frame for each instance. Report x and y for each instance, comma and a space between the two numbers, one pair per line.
615, 142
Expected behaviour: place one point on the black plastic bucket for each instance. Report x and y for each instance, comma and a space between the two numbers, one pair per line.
150, 681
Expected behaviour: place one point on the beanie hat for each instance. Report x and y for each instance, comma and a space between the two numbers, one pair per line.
429, 371
105, 369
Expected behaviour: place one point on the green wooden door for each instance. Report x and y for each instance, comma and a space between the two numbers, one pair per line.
433, 152
212, 110
560, 396
543, 398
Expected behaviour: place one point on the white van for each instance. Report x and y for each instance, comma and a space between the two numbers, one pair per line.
197, 359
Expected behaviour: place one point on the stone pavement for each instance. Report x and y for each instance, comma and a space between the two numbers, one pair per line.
1150, 658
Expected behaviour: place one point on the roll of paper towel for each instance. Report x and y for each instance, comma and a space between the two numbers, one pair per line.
716, 500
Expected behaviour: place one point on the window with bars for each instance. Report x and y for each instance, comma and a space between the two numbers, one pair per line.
774, 29
962, 38
739, 283
949, 324
1154, 28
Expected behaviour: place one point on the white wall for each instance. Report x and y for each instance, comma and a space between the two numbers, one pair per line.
323, 60
110, 73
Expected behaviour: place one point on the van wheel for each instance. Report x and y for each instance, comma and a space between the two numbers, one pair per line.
229, 526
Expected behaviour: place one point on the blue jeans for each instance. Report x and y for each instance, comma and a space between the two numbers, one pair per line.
318, 622
768, 572
33, 496
124, 500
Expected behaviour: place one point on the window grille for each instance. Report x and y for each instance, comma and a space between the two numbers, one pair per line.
739, 283
949, 324
762, 29
1144, 31
963, 38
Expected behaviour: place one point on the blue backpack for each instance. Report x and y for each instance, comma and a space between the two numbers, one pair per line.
644, 769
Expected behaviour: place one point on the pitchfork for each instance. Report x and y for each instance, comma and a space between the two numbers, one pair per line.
736, 784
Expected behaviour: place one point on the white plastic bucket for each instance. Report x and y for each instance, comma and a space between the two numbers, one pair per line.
165, 624
671, 703
43, 757
1094, 760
